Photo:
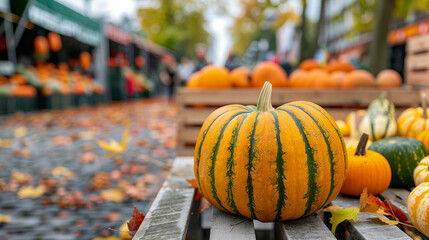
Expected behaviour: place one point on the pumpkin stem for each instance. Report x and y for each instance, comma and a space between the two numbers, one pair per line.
264, 101
361, 147
424, 105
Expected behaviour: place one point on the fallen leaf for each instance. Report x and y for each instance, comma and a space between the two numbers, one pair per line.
60, 171
204, 204
113, 147
100, 180
340, 214
88, 157
23, 152
135, 222
20, 177
87, 147
5, 218
385, 220
20, 132
6, 143
61, 140
112, 195
107, 238
370, 207
30, 192
113, 216
88, 135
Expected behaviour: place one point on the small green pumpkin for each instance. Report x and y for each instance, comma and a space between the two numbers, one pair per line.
403, 155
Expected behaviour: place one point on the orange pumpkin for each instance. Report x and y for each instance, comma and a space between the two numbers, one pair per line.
321, 79
18, 79
54, 40
240, 77
41, 45
85, 60
389, 78
309, 65
214, 77
413, 121
193, 80
339, 65
358, 78
337, 78
424, 138
300, 79
139, 61
366, 169
3, 80
23, 91
269, 72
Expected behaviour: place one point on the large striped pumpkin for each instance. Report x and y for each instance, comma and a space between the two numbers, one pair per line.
270, 164
418, 207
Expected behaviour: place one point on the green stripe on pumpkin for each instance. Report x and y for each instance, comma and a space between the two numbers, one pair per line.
279, 169
250, 167
330, 153
230, 163
211, 172
312, 167
336, 130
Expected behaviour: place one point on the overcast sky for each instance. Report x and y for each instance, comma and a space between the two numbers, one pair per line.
115, 10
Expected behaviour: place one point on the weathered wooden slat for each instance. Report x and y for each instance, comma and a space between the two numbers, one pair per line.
329, 97
311, 227
365, 227
397, 196
222, 229
169, 214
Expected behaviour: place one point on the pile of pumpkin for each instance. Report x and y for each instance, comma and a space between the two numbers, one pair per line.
58, 79
397, 156
16, 86
337, 74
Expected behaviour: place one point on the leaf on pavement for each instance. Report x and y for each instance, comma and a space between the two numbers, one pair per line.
113, 147
20, 132
62, 140
31, 192
6, 143
61, 171
5, 218
135, 222
21, 177
112, 195
88, 157
340, 214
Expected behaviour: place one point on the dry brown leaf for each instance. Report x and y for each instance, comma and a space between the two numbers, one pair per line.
62, 140
88, 157
23, 152
112, 195
100, 180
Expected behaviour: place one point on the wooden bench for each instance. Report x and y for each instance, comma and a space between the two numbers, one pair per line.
194, 105
172, 211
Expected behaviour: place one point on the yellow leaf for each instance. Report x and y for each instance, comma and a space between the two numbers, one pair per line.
385, 220
114, 147
5, 218
62, 172
364, 206
124, 139
20, 177
6, 143
88, 135
340, 214
112, 195
20, 132
107, 238
31, 192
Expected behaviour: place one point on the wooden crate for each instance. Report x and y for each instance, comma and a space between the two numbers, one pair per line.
417, 61
194, 106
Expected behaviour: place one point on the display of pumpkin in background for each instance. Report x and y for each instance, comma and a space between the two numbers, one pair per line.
424, 137
54, 40
214, 77
389, 78
413, 121
240, 77
418, 208
41, 45
269, 72
403, 155
270, 164
300, 79
366, 169
339, 65
321, 79
379, 121
358, 78
421, 172
85, 60
193, 80
344, 128
309, 64
337, 78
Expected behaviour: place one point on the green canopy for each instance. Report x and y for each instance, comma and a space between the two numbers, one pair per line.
58, 18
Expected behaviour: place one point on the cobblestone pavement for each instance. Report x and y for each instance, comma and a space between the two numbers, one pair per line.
74, 203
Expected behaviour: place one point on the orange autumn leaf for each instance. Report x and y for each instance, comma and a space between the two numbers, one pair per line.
135, 222
365, 205
194, 184
204, 205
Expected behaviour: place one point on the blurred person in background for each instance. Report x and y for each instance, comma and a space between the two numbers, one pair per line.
232, 61
284, 63
201, 58
184, 70
168, 74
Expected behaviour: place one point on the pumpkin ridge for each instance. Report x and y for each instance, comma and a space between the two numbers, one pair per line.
250, 167
371, 123
211, 172
230, 166
387, 126
330, 153
336, 130
279, 169
201, 146
312, 191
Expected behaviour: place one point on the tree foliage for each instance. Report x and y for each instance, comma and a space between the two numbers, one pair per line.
257, 17
175, 24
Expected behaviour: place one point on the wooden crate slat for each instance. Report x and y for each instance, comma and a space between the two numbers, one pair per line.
311, 227
417, 61
331, 97
168, 217
397, 196
418, 43
189, 134
222, 229
365, 228
417, 78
